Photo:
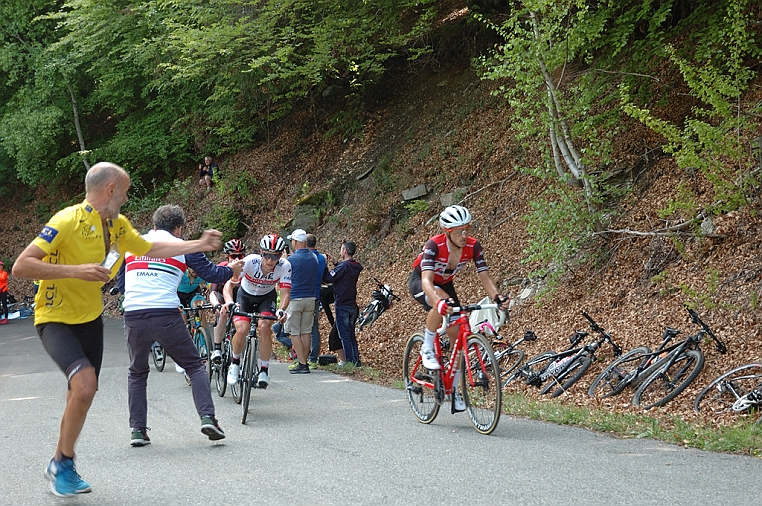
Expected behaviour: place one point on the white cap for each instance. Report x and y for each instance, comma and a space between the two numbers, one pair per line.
298, 235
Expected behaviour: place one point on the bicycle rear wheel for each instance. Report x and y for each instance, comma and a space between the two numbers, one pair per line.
721, 394
666, 383
159, 356
250, 373
532, 368
616, 377
507, 361
568, 376
420, 396
480, 384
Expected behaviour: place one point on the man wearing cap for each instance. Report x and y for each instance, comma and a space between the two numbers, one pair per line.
344, 278
301, 308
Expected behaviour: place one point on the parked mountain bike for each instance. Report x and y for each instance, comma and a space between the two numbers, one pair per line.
383, 296
197, 331
739, 391
479, 375
676, 369
218, 371
247, 379
562, 370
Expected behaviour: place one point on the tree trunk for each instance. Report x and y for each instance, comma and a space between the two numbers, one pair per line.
78, 127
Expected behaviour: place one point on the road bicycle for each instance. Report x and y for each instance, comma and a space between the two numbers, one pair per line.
507, 355
158, 355
677, 367
471, 359
249, 368
218, 371
564, 369
198, 333
738, 391
383, 296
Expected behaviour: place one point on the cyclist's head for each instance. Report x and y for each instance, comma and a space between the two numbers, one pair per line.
272, 243
169, 218
234, 248
454, 217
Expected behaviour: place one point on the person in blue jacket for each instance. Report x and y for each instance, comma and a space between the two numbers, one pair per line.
344, 277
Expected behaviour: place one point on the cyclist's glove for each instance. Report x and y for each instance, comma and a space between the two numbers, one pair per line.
442, 307
500, 299
279, 313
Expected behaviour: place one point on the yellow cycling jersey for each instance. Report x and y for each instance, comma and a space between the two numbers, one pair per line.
74, 236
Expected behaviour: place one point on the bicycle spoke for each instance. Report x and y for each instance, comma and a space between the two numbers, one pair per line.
480, 384
731, 391
418, 383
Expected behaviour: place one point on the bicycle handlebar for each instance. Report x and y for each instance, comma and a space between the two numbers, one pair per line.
717, 341
254, 316
197, 308
475, 307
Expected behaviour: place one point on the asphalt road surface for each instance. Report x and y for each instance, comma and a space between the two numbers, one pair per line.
323, 439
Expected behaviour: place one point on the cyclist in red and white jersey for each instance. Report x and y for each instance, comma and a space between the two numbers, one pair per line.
235, 250
430, 283
257, 293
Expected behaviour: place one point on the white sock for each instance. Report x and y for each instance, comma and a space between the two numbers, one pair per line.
428, 340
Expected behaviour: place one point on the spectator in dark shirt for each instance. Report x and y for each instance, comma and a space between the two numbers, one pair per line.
206, 173
315, 335
301, 307
344, 278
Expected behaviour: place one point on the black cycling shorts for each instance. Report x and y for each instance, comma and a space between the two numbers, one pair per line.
416, 290
73, 346
256, 303
185, 297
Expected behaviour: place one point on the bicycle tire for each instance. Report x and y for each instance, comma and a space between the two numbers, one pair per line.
236, 389
421, 398
666, 383
611, 381
158, 361
201, 340
532, 366
717, 398
221, 370
569, 375
249, 376
507, 361
480, 384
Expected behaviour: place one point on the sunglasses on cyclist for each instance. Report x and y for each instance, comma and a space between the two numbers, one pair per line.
271, 256
236, 256
462, 231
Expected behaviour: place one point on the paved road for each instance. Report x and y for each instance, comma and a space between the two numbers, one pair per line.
323, 439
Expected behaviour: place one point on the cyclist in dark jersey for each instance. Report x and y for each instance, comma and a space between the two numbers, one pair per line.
235, 249
430, 283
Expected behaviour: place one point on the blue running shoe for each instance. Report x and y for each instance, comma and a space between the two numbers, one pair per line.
64, 479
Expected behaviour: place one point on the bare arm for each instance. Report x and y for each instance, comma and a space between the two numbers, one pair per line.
285, 299
490, 288
427, 284
210, 240
227, 291
30, 265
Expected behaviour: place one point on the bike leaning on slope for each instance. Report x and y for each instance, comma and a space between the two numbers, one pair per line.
472, 360
383, 297
738, 391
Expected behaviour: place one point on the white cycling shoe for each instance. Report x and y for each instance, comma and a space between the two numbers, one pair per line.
233, 374
458, 404
429, 359
263, 380
179, 369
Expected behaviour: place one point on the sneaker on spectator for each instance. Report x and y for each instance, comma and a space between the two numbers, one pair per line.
263, 379
211, 427
313, 364
300, 369
217, 356
293, 365
140, 437
3, 321
458, 404
64, 479
179, 369
233, 374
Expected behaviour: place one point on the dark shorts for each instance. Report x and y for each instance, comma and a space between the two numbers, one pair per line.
73, 346
416, 290
185, 297
265, 304
334, 343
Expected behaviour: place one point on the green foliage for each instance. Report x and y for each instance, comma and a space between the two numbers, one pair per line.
224, 218
417, 206
235, 183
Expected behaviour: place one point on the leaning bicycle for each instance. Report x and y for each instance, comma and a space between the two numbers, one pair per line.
736, 391
247, 379
383, 297
471, 359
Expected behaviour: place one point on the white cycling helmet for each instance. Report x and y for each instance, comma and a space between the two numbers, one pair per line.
454, 216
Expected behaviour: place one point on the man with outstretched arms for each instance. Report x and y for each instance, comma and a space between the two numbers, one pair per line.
79, 249
257, 294
235, 250
430, 283
150, 314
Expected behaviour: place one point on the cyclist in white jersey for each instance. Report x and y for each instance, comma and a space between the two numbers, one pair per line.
257, 293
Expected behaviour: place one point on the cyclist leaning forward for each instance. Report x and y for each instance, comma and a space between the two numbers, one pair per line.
257, 294
235, 250
434, 269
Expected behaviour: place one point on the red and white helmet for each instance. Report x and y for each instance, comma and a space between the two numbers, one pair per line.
272, 243
234, 246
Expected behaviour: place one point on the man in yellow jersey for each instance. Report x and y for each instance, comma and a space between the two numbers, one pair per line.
67, 257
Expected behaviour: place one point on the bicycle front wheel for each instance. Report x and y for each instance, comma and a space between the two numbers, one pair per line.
203, 343
159, 357
249, 371
480, 384
616, 377
419, 384
568, 376
721, 394
237, 388
666, 383
220, 371
507, 361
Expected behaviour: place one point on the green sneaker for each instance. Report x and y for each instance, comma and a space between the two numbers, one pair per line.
294, 365
140, 437
211, 428
313, 365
